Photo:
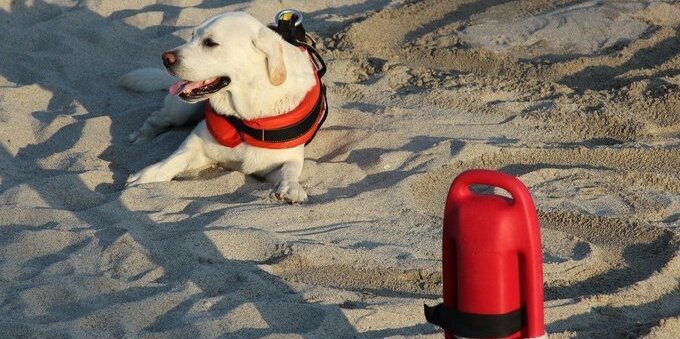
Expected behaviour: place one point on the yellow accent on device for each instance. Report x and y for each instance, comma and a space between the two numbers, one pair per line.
287, 16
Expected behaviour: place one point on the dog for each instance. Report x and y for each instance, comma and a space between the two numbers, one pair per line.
249, 76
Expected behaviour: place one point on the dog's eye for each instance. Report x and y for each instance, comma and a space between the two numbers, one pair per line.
209, 43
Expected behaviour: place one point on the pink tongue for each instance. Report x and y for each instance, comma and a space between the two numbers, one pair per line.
188, 86
178, 87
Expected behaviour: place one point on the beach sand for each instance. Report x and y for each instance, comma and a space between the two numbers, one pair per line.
579, 99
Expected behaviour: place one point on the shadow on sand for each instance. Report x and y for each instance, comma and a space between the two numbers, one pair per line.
92, 70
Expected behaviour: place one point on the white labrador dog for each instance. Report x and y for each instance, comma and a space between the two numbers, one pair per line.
245, 70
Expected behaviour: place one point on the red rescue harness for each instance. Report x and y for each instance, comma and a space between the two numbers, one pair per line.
288, 130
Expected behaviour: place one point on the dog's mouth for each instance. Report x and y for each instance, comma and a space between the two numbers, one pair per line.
195, 90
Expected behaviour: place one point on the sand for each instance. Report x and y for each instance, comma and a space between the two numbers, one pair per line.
579, 99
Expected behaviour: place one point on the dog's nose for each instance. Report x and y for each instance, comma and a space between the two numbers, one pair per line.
169, 58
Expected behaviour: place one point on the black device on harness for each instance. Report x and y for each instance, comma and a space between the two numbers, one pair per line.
288, 24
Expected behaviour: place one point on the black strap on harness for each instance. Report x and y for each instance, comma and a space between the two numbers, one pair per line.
473, 325
289, 132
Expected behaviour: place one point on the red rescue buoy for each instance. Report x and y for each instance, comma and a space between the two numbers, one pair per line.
491, 261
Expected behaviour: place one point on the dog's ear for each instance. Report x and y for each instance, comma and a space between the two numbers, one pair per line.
271, 44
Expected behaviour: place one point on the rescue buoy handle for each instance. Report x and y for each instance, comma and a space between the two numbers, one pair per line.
460, 188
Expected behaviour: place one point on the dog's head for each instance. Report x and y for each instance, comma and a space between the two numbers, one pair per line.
224, 50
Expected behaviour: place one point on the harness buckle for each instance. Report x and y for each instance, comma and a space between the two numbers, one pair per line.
287, 15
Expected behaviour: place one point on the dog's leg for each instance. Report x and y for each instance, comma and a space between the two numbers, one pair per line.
286, 182
175, 112
189, 156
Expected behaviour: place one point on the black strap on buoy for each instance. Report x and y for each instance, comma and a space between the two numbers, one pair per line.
473, 325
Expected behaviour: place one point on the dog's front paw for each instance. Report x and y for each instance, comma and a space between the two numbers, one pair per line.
289, 191
135, 139
147, 175
151, 128
139, 137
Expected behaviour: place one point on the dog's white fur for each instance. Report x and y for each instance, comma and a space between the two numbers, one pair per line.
268, 77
